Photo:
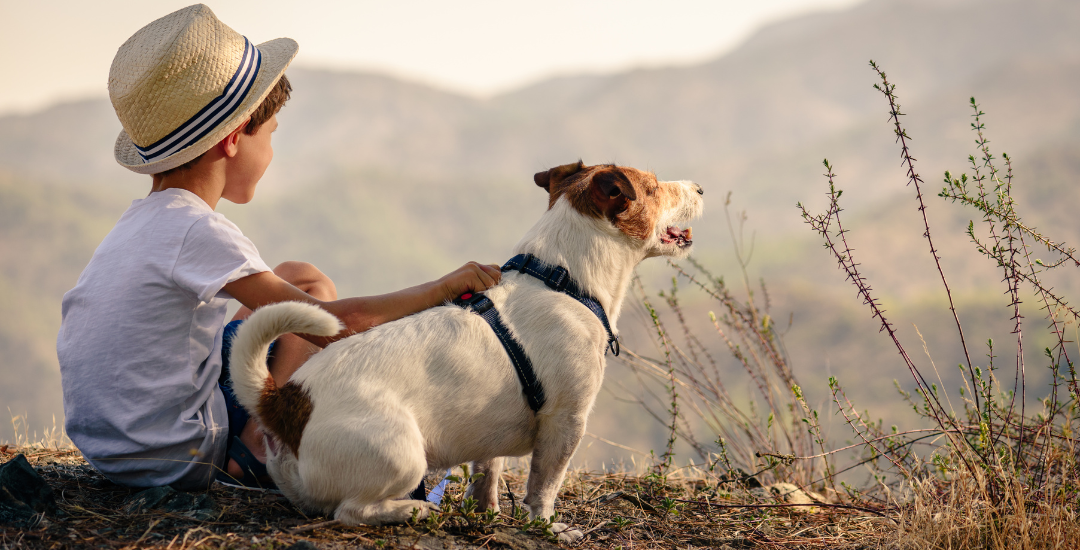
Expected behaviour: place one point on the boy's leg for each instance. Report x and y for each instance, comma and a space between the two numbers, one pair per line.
290, 351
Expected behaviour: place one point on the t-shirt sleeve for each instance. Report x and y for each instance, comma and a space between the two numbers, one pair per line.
214, 254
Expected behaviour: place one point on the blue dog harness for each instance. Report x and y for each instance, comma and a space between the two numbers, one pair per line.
556, 278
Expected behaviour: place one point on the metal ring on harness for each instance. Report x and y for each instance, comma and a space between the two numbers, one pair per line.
557, 277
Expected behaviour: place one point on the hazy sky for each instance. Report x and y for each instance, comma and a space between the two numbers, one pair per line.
61, 49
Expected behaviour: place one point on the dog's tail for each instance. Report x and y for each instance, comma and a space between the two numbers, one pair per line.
251, 378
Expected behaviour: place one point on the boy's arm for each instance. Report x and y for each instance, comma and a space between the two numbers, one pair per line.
362, 313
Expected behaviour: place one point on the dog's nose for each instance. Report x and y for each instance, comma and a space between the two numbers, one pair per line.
699, 190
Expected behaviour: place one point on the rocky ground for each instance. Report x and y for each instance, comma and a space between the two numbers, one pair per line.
53, 499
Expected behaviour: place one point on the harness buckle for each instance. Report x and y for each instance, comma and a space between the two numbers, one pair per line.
614, 346
476, 302
482, 305
557, 279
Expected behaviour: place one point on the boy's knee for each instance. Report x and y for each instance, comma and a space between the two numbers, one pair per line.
308, 278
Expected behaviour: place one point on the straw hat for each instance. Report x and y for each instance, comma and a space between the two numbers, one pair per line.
183, 83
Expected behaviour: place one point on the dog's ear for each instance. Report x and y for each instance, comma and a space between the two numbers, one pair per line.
611, 192
546, 178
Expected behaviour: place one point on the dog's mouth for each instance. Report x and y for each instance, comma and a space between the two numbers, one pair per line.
678, 237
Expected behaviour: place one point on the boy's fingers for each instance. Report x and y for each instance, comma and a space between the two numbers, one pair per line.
493, 270
487, 279
474, 277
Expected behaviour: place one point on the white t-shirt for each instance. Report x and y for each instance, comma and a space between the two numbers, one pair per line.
140, 342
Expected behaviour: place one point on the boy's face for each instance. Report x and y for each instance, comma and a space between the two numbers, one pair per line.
253, 155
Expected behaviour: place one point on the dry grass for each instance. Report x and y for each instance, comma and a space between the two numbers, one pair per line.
614, 510
961, 513
1005, 474
50, 437
692, 512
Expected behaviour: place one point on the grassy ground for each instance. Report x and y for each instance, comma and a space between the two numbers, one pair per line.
614, 510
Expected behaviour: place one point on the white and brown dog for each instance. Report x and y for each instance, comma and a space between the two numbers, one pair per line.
360, 423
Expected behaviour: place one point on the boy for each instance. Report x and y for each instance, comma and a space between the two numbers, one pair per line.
142, 337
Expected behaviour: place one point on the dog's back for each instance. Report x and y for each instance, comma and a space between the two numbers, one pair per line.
446, 367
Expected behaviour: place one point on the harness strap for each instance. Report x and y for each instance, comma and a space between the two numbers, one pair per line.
557, 278
530, 384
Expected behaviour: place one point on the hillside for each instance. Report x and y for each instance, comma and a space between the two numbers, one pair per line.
385, 183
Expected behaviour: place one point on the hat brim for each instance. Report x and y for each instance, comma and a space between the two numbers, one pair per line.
276, 56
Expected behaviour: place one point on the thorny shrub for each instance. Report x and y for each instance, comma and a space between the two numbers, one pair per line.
1000, 475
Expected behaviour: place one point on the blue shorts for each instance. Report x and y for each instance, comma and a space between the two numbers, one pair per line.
238, 417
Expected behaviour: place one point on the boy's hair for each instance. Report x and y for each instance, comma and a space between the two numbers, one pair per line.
273, 103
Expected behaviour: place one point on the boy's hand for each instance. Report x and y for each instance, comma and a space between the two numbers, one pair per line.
471, 277
360, 314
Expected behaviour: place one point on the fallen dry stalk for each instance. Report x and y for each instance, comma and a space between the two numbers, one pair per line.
314, 526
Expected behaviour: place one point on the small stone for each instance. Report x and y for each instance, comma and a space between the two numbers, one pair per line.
24, 495
14, 512
790, 493
153, 497
204, 508
200, 507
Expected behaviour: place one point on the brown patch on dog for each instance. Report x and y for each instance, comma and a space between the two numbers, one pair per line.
629, 198
285, 411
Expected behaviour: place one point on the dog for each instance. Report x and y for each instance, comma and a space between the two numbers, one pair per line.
360, 423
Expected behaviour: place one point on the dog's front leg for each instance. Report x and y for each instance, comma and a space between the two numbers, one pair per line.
485, 489
555, 444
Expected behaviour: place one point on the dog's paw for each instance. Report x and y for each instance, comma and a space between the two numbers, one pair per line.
566, 533
384, 512
422, 509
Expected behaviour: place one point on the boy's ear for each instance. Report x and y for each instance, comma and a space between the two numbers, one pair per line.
230, 143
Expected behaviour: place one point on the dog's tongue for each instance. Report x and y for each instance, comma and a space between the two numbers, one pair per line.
674, 233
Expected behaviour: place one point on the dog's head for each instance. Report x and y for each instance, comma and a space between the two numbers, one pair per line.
649, 211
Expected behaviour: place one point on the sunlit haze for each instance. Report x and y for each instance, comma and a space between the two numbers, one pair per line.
61, 50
